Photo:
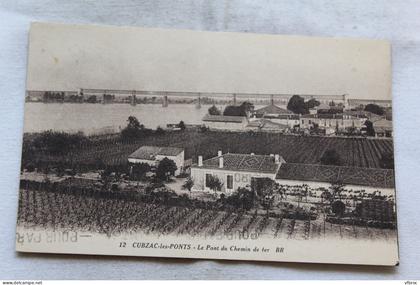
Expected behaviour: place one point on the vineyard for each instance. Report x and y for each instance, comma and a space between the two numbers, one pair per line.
358, 152
112, 216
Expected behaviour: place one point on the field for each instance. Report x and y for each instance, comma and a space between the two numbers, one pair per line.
110, 216
358, 152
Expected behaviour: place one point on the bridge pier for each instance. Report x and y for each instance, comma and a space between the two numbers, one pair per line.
80, 93
165, 101
133, 98
198, 104
345, 101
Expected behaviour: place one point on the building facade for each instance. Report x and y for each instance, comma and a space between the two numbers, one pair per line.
229, 123
332, 121
152, 155
237, 170
234, 170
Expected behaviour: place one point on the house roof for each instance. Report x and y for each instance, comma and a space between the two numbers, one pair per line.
266, 125
221, 118
150, 152
373, 177
244, 162
361, 114
382, 124
332, 116
272, 109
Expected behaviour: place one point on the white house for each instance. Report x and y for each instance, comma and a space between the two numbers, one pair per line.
234, 170
230, 123
328, 122
383, 128
152, 155
277, 115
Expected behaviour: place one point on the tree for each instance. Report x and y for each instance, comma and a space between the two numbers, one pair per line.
331, 157
160, 131
370, 131
139, 170
59, 142
311, 103
297, 105
106, 177
315, 128
133, 123
338, 208
188, 184
247, 106
203, 129
165, 169
325, 195
375, 109
134, 129
214, 111
214, 183
387, 160
243, 198
181, 125
241, 110
263, 186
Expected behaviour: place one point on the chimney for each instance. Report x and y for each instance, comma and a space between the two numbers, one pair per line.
200, 160
221, 162
219, 153
277, 159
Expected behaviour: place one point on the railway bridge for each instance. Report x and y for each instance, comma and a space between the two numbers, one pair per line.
165, 97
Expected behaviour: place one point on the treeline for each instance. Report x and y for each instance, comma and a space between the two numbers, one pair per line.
233, 110
53, 142
136, 130
61, 97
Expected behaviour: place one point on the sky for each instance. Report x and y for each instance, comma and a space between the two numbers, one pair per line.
68, 57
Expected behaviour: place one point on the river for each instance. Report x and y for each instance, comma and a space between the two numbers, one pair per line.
92, 118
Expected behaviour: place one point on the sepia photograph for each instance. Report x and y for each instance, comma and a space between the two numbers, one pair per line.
216, 145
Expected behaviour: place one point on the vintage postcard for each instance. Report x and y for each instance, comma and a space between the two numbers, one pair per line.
176, 143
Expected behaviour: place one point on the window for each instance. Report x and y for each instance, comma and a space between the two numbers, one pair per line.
229, 182
208, 177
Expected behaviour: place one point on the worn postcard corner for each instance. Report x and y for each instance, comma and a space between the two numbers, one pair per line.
177, 143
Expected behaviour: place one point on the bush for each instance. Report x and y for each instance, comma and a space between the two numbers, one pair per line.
54, 142
375, 109
338, 208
